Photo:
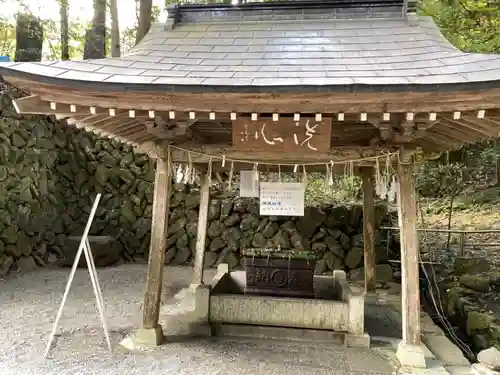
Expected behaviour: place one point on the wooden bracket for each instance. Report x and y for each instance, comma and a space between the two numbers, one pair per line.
167, 130
152, 149
407, 128
30, 105
402, 131
386, 131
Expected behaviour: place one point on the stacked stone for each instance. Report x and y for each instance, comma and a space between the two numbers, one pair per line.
29, 196
49, 176
89, 165
470, 301
334, 233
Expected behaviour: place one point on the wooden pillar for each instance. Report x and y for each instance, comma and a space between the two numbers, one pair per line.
159, 228
201, 235
410, 293
367, 176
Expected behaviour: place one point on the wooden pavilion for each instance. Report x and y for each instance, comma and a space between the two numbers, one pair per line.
370, 74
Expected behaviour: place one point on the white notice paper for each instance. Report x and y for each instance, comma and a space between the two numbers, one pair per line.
249, 184
282, 199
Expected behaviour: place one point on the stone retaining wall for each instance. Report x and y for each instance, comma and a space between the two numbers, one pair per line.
333, 232
471, 303
50, 174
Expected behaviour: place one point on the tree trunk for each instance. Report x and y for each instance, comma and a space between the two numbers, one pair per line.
64, 13
115, 29
497, 162
450, 216
95, 37
29, 38
145, 9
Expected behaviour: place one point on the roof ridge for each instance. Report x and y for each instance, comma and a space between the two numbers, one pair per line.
288, 10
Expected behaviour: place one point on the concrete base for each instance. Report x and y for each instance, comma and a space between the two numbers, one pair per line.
371, 298
480, 369
189, 315
291, 334
278, 333
143, 337
411, 355
352, 340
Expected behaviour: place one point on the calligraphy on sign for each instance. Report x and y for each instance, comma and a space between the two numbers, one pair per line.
305, 135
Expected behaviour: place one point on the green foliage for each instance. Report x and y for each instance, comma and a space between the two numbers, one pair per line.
52, 36
7, 39
471, 25
440, 180
280, 254
469, 171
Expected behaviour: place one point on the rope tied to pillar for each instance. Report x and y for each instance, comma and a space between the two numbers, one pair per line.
189, 171
256, 171
304, 175
209, 170
327, 177
170, 166
230, 182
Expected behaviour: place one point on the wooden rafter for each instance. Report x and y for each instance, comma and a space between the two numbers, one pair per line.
416, 102
139, 122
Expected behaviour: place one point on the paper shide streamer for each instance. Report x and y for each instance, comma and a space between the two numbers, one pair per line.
385, 182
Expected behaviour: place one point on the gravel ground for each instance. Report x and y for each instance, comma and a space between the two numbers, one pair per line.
29, 304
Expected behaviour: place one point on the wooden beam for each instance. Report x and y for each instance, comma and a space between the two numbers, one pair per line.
159, 229
378, 102
201, 154
410, 293
369, 228
33, 105
201, 236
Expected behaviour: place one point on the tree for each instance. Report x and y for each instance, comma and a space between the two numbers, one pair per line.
144, 18
115, 29
129, 34
7, 39
95, 37
64, 13
471, 25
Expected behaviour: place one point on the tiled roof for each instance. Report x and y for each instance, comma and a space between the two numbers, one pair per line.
286, 51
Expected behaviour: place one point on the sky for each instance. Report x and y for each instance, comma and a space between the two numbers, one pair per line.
79, 9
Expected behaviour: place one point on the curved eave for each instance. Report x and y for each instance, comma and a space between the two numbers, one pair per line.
437, 86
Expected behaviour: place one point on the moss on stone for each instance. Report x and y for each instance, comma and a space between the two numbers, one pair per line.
282, 254
477, 321
479, 283
471, 266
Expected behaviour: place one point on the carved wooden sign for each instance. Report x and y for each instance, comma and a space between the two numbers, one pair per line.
305, 135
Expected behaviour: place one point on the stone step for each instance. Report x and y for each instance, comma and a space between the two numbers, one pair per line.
279, 333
